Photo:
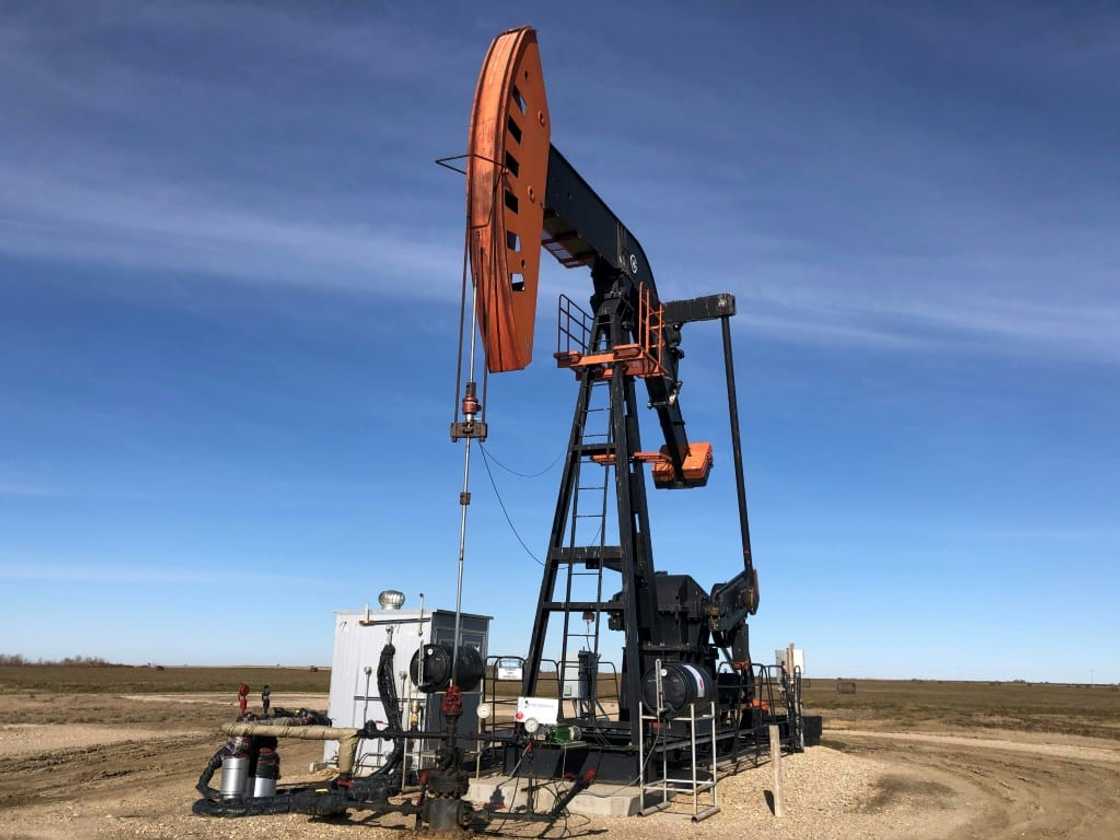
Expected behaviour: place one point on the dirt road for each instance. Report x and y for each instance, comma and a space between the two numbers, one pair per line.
1011, 786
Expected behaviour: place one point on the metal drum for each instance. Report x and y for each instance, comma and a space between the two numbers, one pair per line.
263, 786
268, 771
235, 774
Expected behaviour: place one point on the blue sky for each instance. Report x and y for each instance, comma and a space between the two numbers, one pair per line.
228, 286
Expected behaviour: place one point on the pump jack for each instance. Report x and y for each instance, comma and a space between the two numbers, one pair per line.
522, 195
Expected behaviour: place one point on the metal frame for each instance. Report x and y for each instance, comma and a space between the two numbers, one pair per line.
666, 785
632, 558
619, 319
628, 333
694, 786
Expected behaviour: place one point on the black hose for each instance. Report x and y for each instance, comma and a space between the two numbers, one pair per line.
299, 801
387, 689
203, 784
551, 816
369, 794
578, 786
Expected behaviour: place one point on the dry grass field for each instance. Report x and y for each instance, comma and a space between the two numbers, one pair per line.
118, 679
922, 704
107, 752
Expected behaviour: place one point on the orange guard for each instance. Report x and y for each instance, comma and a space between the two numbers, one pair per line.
507, 167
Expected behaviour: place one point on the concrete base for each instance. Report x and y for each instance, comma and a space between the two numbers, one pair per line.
599, 800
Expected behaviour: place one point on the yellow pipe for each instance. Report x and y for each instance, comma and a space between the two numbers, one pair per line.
347, 738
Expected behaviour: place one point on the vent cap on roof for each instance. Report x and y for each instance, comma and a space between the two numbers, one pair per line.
391, 599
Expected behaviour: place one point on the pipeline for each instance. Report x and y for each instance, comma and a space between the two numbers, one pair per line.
347, 738
328, 799
324, 800
334, 798
253, 740
248, 736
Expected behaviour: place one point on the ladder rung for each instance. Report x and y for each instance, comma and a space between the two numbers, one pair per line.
581, 606
586, 553
595, 448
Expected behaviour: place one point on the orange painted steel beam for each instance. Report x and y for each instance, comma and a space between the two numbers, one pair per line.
696, 467
507, 169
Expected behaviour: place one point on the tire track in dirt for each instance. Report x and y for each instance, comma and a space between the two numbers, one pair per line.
1014, 789
60, 775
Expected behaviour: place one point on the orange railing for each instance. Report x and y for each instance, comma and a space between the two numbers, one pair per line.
651, 336
642, 357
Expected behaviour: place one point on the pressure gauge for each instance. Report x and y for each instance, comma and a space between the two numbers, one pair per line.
532, 725
483, 711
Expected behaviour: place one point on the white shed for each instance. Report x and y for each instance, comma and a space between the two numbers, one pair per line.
359, 637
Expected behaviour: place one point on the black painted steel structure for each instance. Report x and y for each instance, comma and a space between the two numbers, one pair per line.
667, 618
635, 606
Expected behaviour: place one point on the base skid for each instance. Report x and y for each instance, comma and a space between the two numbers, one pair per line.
548, 761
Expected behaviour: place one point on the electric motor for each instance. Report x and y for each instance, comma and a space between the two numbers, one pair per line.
681, 686
430, 668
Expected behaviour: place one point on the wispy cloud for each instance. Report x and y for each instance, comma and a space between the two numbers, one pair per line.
93, 175
802, 325
166, 226
927, 316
